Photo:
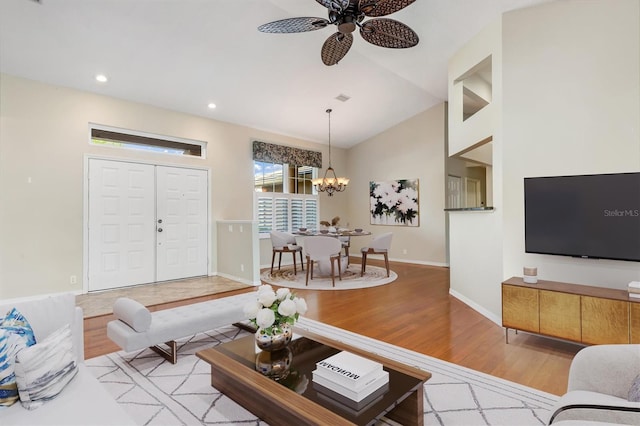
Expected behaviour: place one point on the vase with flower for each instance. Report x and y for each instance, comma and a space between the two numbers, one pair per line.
274, 313
331, 226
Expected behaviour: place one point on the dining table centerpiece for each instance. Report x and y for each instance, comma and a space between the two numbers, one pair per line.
274, 313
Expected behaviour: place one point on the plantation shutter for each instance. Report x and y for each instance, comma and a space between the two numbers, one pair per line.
265, 214
297, 213
281, 214
311, 213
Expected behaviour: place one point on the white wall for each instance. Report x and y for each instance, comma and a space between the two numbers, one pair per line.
44, 137
571, 106
413, 149
567, 88
475, 238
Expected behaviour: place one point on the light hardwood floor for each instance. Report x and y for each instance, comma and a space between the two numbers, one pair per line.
416, 312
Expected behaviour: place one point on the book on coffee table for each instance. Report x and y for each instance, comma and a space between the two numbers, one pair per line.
356, 395
348, 370
347, 404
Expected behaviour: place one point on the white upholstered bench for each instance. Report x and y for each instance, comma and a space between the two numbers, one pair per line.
135, 327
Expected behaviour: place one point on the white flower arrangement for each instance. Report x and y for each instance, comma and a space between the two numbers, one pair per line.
272, 309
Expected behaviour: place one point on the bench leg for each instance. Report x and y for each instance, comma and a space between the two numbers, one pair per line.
170, 354
246, 327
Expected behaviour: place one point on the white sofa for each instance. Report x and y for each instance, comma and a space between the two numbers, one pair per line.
84, 401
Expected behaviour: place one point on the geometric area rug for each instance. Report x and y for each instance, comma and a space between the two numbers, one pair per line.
156, 392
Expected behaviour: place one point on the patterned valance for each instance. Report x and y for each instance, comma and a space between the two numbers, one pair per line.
280, 154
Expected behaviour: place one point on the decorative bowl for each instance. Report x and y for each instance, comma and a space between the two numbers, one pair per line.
303, 229
324, 231
358, 230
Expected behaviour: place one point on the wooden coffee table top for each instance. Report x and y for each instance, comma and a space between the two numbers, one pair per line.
233, 373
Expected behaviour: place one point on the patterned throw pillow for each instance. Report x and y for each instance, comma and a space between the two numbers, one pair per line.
16, 323
634, 391
15, 334
10, 344
45, 369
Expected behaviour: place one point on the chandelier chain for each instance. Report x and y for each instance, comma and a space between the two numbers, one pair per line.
330, 183
329, 112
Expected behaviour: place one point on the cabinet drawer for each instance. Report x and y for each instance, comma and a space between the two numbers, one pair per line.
520, 308
604, 321
560, 315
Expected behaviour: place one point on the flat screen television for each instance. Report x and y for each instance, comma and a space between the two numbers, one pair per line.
587, 216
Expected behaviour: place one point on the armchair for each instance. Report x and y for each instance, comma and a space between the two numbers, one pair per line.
600, 379
379, 245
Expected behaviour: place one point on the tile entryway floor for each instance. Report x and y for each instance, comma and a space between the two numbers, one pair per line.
101, 303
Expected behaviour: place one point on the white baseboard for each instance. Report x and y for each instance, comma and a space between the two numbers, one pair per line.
239, 279
22, 299
420, 262
482, 311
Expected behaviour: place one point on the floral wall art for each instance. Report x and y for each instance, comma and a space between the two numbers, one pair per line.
394, 202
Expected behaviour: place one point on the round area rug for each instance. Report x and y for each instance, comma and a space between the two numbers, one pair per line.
351, 279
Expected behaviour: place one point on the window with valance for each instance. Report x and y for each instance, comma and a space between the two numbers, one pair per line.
285, 199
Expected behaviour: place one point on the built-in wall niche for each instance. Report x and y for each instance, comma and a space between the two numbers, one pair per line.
476, 88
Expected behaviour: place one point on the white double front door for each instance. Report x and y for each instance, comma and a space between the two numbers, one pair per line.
146, 223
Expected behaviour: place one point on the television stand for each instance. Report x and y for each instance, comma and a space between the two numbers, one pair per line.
579, 313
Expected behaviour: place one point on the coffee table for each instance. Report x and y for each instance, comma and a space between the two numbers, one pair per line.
233, 372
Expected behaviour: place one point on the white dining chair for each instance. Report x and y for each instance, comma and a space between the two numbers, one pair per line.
379, 245
284, 242
322, 248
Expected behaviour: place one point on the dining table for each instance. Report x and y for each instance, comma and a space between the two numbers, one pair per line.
343, 233
325, 266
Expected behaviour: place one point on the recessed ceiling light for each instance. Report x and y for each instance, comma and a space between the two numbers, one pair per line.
101, 78
211, 105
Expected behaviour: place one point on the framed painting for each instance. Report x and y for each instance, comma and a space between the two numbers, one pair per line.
394, 202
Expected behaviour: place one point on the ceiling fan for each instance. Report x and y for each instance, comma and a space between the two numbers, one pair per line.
347, 15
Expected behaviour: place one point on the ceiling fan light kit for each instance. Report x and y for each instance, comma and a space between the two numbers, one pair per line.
347, 15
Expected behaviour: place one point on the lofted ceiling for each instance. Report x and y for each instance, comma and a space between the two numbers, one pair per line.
184, 54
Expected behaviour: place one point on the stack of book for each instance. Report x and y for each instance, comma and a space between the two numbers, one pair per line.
350, 380
634, 289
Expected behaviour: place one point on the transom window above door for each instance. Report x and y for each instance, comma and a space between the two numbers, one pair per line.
129, 139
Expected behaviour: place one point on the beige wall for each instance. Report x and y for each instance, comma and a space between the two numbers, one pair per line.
238, 250
44, 139
412, 149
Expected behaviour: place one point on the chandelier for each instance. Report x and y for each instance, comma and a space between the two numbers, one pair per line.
330, 183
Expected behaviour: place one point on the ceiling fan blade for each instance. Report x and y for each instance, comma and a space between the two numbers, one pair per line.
388, 33
294, 25
335, 47
375, 8
335, 5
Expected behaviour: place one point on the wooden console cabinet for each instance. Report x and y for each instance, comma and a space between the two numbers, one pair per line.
579, 313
